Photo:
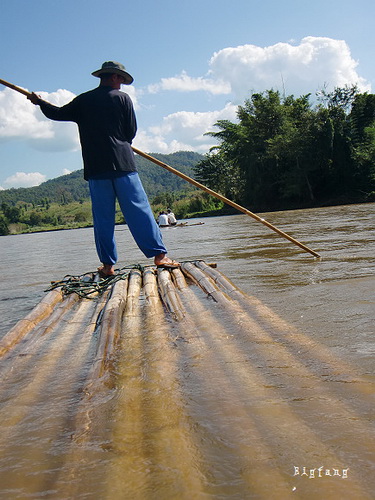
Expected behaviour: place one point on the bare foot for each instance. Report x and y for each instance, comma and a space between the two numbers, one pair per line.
106, 270
162, 260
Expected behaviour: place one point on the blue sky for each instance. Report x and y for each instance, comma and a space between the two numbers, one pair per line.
193, 62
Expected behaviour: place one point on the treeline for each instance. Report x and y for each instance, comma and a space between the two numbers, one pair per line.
62, 190
285, 153
156, 180
63, 202
72, 187
24, 218
52, 216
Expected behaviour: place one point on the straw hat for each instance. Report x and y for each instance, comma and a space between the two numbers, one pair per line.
114, 67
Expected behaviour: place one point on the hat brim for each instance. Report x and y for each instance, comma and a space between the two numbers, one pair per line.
127, 77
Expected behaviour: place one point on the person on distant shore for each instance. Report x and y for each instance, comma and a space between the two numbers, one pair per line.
163, 220
171, 217
107, 126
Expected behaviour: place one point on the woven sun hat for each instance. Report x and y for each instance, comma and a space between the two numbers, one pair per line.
114, 67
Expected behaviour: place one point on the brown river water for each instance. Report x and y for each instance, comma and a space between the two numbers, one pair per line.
268, 397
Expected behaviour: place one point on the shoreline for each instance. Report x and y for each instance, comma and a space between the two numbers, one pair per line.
225, 211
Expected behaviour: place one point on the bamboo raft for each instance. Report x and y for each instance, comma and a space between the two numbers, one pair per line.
172, 384
159, 287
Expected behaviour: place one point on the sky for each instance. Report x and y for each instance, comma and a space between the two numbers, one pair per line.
193, 62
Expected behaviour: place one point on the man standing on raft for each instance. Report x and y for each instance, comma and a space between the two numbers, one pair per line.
107, 126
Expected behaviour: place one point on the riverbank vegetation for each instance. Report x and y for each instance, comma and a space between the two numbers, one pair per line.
282, 153
47, 216
63, 203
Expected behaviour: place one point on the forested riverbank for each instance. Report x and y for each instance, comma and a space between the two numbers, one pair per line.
286, 152
74, 215
64, 203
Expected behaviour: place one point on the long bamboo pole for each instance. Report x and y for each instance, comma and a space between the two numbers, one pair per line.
15, 87
225, 200
198, 185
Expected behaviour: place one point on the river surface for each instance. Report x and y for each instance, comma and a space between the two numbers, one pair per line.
328, 301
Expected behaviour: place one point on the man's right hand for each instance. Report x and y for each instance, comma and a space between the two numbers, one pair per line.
35, 99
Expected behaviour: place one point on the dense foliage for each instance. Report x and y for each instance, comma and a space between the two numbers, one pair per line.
284, 153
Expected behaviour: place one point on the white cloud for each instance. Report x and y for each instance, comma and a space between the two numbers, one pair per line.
66, 171
133, 94
183, 130
19, 119
22, 179
185, 83
297, 69
159, 144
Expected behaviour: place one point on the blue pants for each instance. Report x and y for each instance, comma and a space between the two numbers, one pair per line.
136, 209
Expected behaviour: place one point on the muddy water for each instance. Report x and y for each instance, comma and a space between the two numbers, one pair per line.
269, 396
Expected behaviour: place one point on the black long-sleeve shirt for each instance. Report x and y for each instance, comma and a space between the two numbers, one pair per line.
107, 126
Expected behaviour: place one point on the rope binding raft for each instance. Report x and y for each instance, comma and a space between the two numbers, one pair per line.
89, 285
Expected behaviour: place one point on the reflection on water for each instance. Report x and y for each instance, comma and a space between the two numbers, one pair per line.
238, 400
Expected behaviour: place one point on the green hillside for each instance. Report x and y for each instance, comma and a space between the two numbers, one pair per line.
72, 187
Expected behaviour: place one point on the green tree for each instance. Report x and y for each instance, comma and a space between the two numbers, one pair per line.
4, 229
336, 105
165, 199
34, 219
291, 148
282, 152
11, 213
220, 174
362, 121
254, 148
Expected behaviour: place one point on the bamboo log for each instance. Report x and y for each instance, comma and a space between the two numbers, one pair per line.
179, 279
186, 330
48, 325
131, 321
132, 299
41, 311
169, 295
58, 312
222, 281
203, 282
150, 288
110, 326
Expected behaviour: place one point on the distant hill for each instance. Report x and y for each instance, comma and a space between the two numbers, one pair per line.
73, 187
